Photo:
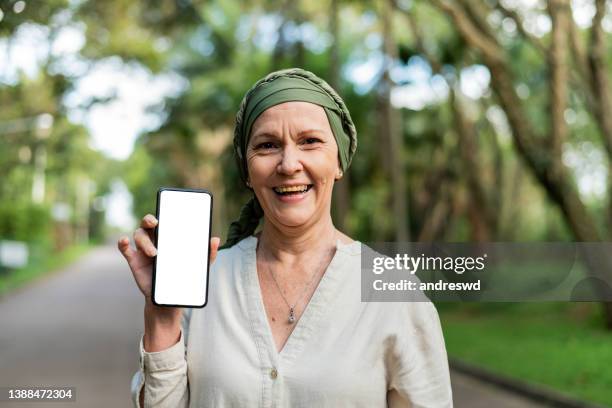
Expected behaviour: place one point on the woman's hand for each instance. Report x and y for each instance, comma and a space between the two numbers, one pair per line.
140, 259
162, 324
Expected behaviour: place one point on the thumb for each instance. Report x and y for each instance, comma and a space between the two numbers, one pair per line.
214, 248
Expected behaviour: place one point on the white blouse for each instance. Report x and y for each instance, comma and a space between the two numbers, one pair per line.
342, 352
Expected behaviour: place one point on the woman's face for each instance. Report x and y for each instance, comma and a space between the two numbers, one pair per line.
292, 160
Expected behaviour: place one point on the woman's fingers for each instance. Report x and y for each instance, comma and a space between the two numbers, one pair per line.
124, 247
148, 221
214, 248
144, 243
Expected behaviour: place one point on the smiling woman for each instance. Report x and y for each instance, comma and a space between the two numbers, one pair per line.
285, 325
293, 161
288, 87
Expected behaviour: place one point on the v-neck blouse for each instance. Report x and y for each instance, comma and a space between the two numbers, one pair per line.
342, 352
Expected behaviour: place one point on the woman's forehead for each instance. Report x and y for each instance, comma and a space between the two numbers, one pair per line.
297, 113
290, 109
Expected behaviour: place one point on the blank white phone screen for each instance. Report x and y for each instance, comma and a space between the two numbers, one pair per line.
182, 248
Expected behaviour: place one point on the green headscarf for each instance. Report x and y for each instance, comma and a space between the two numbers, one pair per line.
286, 85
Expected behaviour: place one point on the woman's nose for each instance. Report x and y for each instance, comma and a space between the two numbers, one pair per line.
290, 162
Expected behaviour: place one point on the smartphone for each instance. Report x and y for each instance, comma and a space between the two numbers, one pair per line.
182, 239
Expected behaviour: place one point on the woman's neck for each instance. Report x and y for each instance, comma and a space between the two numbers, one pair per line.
290, 244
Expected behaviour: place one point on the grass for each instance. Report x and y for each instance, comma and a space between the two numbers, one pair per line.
560, 345
42, 263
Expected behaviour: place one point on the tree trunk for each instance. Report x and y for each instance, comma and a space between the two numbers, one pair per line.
481, 215
342, 188
601, 90
391, 131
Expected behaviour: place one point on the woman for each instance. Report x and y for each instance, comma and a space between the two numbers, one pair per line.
285, 325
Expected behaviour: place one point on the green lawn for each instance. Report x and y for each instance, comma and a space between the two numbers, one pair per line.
41, 263
560, 345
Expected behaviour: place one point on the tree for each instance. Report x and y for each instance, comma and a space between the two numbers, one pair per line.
541, 152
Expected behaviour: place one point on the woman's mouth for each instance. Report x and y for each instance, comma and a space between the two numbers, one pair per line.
292, 193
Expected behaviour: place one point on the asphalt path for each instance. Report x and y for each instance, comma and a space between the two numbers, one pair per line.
77, 327
80, 327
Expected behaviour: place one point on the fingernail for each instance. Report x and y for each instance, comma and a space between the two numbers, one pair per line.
153, 252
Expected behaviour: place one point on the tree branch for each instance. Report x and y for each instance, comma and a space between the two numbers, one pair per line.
600, 88
487, 46
476, 12
557, 61
518, 20
578, 52
420, 43
599, 79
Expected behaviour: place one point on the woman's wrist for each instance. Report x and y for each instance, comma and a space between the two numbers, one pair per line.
162, 327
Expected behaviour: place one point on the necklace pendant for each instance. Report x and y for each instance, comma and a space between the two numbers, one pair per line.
291, 316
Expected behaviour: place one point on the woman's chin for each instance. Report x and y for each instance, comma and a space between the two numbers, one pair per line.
293, 217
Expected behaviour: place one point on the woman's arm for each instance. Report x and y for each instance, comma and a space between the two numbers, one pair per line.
163, 367
162, 378
417, 362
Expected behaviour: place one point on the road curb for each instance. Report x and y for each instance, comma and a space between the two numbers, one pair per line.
537, 393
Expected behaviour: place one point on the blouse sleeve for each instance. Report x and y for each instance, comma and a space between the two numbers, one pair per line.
163, 374
418, 365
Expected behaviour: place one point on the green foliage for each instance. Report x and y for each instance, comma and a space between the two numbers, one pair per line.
118, 28
37, 141
34, 12
24, 221
143, 176
557, 345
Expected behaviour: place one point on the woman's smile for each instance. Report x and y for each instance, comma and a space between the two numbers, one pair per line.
292, 193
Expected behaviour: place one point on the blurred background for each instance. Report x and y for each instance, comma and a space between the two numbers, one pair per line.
478, 120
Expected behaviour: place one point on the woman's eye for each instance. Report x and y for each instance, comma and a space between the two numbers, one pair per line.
311, 140
265, 145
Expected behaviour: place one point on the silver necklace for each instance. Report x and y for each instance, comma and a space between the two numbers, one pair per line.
291, 318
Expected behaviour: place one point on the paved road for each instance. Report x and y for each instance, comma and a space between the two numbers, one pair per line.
80, 327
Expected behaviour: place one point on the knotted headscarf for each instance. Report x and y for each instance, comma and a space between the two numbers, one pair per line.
286, 85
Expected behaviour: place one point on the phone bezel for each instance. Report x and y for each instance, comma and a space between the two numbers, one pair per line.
188, 190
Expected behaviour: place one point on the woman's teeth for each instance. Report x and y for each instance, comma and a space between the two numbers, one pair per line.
292, 189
